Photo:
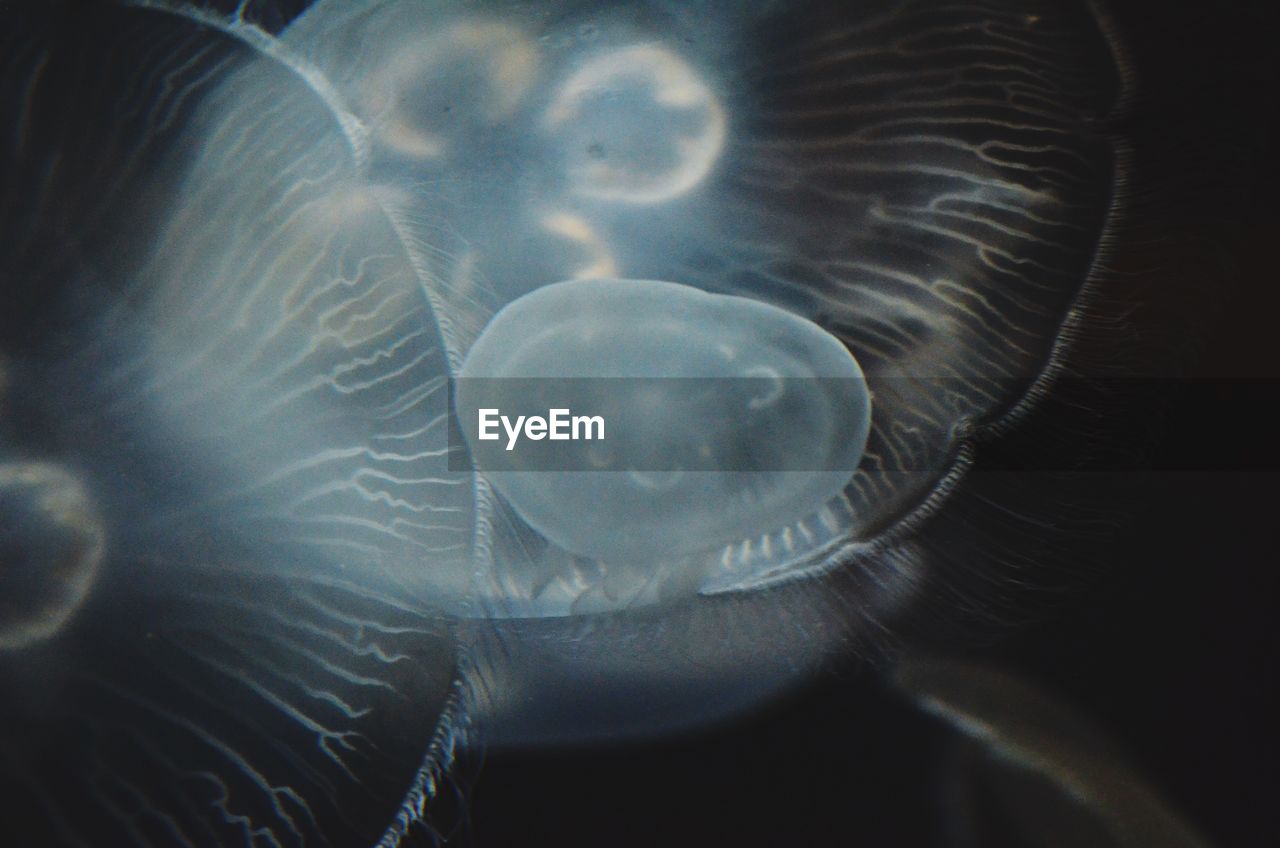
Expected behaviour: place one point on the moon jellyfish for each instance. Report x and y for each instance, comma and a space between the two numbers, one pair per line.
249, 250
805, 397
247, 664
604, 115
928, 187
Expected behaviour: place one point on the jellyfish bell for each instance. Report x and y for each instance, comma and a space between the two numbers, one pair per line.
636, 125
184, 657
677, 378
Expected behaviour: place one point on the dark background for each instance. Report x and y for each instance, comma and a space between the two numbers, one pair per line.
1165, 637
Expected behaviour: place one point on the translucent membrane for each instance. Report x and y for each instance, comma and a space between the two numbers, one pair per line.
791, 397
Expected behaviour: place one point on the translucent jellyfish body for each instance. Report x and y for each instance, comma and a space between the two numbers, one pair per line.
774, 402
245, 266
922, 184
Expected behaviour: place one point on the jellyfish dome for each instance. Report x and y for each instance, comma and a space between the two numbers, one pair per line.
643, 497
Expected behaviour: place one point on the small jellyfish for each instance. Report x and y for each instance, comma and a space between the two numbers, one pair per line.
805, 406
637, 125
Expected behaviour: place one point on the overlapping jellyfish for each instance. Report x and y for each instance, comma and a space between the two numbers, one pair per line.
245, 597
